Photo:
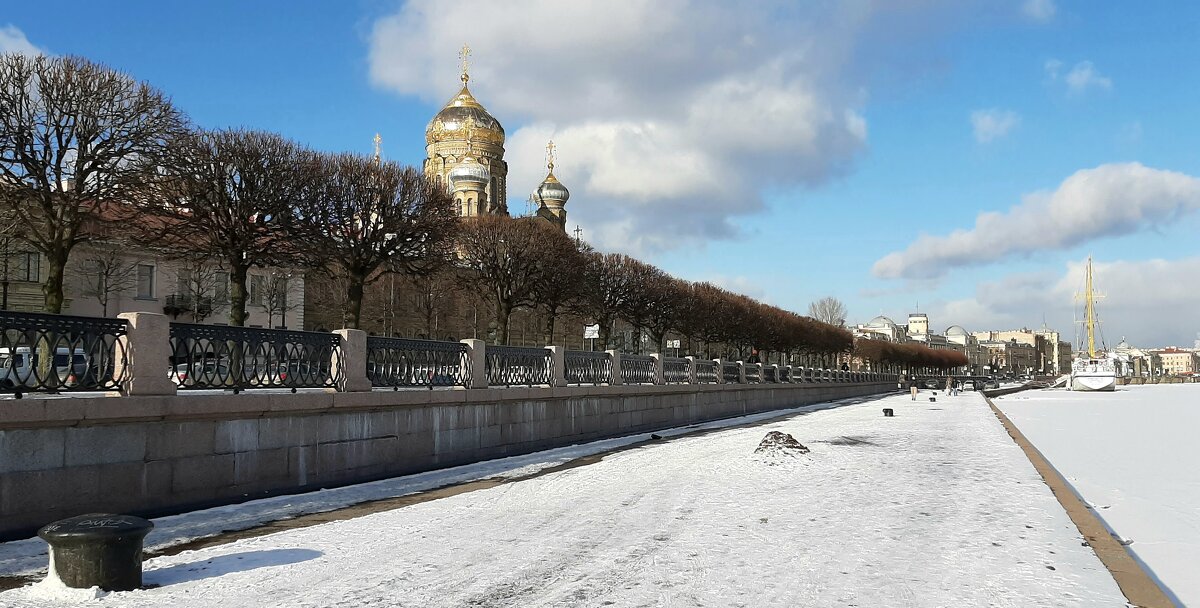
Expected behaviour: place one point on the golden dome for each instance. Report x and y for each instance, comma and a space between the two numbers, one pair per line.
451, 123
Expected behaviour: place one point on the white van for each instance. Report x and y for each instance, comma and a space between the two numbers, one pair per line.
18, 368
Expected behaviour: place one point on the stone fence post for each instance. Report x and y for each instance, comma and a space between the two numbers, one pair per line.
477, 360
558, 365
691, 369
352, 357
720, 370
660, 374
147, 348
615, 356
741, 372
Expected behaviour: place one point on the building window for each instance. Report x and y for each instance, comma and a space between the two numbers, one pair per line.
145, 281
256, 290
25, 266
221, 286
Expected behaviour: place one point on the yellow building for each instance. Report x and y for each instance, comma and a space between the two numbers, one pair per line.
1177, 361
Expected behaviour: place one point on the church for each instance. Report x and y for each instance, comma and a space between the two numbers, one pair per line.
464, 147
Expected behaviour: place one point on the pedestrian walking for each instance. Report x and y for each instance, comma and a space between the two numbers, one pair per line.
912, 388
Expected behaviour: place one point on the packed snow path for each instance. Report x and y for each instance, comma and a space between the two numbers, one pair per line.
934, 507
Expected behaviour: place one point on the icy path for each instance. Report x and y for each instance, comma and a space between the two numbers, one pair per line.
935, 507
1132, 454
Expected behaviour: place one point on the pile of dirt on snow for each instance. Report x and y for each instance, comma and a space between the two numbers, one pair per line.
780, 444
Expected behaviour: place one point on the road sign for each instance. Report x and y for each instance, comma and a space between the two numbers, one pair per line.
672, 343
591, 331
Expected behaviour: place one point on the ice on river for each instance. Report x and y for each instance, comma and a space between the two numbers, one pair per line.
1133, 456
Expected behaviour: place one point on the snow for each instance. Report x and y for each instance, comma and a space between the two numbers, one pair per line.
1132, 455
934, 507
29, 556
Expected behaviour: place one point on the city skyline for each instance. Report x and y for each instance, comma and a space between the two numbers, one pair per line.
968, 157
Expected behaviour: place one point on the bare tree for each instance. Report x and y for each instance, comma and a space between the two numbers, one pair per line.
367, 217
431, 295
828, 310
508, 259
200, 288
78, 141
607, 290
230, 195
105, 272
280, 294
561, 282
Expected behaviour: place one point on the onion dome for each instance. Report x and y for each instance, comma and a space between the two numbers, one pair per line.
461, 113
469, 175
552, 192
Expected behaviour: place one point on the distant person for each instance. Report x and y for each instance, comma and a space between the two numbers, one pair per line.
954, 387
845, 367
912, 388
753, 357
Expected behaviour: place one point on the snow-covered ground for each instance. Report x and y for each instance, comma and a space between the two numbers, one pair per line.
933, 507
1133, 456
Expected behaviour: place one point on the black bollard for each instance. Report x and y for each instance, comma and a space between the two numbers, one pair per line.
97, 550
887, 412
932, 399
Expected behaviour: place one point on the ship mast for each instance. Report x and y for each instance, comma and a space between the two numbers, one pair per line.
1090, 311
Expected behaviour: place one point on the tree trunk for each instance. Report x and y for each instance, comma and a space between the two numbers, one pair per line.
237, 294
354, 298
548, 326
503, 311
605, 332
52, 289
659, 337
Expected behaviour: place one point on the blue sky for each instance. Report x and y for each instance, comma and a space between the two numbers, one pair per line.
786, 151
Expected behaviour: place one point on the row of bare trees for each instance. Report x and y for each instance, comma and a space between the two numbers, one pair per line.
908, 355
90, 154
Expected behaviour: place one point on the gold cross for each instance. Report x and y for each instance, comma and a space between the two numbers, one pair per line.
550, 155
463, 56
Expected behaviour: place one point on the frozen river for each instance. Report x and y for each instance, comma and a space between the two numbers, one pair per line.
1134, 456
934, 507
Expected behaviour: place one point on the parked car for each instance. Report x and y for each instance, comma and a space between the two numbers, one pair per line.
19, 367
210, 373
991, 383
933, 384
968, 385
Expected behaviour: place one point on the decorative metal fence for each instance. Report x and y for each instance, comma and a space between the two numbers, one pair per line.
519, 365
769, 374
706, 371
676, 370
237, 358
398, 362
55, 353
753, 373
637, 369
730, 373
588, 367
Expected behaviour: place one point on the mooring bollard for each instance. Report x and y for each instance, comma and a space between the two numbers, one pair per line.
887, 412
97, 550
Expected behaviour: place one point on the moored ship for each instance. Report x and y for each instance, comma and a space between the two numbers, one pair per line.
1093, 370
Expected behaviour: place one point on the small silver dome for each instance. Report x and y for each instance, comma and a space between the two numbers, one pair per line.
552, 191
469, 172
956, 330
881, 322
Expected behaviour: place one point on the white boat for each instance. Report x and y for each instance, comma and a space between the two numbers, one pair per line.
1093, 370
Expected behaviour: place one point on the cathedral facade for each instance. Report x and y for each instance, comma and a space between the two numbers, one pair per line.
464, 152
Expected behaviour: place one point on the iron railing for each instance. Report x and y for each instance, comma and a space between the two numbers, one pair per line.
637, 369
753, 373
518, 365
785, 374
238, 358
730, 373
769, 374
398, 362
676, 370
706, 371
54, 353
588, 367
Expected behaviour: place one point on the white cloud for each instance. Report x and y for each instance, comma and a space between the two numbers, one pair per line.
1136, 295
993, 123
1041, 11
670, 116
13, 40
1108, 200
1084, 76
